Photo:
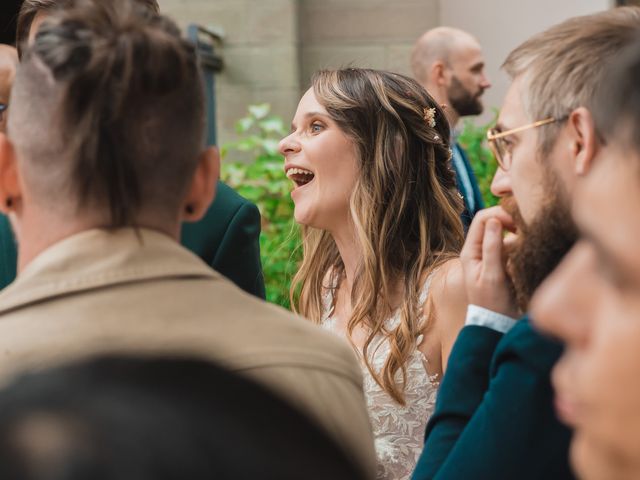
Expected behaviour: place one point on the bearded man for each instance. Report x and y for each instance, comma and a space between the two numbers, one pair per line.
494, 418
448, 62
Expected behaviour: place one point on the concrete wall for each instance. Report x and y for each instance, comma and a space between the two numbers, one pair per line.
260, 53
501, 25
363, 33
273, 46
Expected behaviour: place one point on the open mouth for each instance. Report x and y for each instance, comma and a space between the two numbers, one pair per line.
300, 176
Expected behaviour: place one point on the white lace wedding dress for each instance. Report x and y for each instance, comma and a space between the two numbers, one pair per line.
398, 429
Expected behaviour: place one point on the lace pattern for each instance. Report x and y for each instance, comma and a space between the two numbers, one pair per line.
398, 429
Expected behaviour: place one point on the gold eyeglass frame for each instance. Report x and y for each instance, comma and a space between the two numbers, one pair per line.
492, 137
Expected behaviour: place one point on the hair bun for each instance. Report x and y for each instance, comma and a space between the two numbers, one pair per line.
120, 76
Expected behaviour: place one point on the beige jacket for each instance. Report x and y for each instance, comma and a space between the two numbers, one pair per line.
112, 292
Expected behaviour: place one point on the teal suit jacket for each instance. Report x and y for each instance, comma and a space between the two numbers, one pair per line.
227, 239
468, 213
494, 417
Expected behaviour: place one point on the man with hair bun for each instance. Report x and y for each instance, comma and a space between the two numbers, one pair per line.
105, 147
227, 236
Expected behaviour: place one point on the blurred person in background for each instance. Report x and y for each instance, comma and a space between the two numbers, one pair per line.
592, 301
369, 157
226, 238
8, 255
105, 148
495, 416
8, 64
157, 418
449, 63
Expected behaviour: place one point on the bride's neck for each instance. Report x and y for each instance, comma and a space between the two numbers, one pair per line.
350, 253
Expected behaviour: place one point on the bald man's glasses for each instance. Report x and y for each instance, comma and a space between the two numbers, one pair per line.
501, 146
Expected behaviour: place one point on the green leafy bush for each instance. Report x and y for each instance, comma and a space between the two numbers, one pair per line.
264, 183
474, 141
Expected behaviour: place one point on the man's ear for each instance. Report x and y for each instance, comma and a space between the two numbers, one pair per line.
439, 74
10, 186
203, 186
584, 139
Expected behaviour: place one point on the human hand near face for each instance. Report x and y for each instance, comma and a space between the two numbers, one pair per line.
487, 282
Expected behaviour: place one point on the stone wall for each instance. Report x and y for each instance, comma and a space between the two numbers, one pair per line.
363, 33
260, 53
272, 47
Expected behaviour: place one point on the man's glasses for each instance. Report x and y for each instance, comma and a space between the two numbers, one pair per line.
501, 147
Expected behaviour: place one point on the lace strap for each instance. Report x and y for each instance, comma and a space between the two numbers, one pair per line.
327, 296
424, 293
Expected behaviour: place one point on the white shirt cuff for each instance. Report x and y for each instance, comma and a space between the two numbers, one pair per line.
486, 318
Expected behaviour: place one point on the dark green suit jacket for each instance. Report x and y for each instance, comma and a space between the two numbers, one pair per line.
494, 416
227, 239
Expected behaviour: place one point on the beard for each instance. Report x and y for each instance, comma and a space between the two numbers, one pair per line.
462, 100
541, 244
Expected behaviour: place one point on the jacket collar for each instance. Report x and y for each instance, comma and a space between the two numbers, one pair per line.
100, 258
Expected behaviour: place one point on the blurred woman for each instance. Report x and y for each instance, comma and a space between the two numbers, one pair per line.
369, 155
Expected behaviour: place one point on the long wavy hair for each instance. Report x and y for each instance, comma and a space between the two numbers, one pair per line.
405, 209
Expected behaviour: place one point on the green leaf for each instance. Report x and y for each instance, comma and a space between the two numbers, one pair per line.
473, 140
271, 146
260, 111
263, 182
244, 124
272, 125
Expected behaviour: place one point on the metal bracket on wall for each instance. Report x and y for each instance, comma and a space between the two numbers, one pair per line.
208, 42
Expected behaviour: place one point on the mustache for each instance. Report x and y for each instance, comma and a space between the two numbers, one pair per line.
508, 203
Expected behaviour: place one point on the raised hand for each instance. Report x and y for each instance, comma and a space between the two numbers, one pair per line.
483, 262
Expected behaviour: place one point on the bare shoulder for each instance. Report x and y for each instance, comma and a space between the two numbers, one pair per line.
447, 289
448, 306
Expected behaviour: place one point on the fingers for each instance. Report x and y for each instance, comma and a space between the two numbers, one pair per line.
492, 249
486, 280
473, 245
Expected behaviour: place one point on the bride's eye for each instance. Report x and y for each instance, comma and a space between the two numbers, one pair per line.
316, 128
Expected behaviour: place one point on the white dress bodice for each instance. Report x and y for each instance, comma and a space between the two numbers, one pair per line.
398, 429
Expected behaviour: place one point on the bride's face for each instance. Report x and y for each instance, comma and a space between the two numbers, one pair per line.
322, 163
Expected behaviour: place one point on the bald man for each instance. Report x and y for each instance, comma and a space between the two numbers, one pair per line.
8, 65
448, 62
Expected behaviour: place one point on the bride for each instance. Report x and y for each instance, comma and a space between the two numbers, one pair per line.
369, 156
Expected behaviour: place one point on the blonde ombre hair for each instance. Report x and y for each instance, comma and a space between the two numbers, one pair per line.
563, 67
405, 209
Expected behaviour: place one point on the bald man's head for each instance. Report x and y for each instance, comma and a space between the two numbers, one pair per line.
438, 44
8, 65
448, 62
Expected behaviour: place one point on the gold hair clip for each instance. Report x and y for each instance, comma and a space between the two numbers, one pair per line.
430, 116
